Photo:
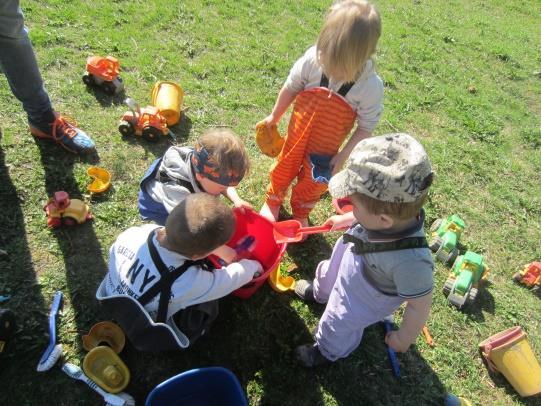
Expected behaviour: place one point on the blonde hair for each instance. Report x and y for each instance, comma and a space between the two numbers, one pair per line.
348, 38
199, 224
397, 210
226, 150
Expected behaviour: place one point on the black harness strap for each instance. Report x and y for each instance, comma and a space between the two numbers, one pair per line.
344, 89
363, 247
163, 286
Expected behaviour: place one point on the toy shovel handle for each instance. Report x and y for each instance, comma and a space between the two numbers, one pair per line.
315, 229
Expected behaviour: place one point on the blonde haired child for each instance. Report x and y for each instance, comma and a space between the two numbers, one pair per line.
333, 84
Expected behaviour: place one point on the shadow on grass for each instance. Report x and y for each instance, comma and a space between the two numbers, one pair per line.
107, 100
18, 280
83, 266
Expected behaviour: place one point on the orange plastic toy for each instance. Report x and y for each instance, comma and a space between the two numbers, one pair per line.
60, 209
530, 276
103, 72
269, 140
146, 122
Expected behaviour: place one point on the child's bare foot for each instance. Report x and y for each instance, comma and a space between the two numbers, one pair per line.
269, 212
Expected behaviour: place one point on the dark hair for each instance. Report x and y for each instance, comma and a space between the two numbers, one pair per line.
199, 224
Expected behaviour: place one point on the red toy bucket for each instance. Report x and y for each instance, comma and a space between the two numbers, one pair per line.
342, 205
266, 250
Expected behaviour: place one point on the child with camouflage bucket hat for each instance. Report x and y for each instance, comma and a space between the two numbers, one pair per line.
383, 260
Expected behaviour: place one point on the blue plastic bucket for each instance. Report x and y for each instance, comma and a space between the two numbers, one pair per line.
210, 386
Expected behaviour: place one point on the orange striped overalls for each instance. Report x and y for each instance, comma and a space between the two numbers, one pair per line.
320, 122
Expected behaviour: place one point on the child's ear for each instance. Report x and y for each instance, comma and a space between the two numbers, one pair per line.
386, 221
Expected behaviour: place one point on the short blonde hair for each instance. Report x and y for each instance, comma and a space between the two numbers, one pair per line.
348, 38
397, 210
226, 150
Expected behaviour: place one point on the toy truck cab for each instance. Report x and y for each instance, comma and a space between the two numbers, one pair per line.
530, 276
103, 72
444, 238
60, 209
146, 122
463, 281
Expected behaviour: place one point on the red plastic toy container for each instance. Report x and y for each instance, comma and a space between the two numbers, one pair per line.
266, 250
342, 205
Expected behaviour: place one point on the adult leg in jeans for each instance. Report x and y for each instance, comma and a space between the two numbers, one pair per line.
18, 62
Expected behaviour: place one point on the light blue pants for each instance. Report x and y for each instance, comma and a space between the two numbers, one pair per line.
18, 62
352, 303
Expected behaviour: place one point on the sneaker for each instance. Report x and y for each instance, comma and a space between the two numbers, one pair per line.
270, 212
66, 134
305, 290
310, 356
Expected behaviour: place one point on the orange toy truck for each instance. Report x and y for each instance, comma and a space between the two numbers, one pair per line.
60, 209
146, 122
103, 72
530, 276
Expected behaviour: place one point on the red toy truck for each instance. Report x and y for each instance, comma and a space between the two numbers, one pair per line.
530, 276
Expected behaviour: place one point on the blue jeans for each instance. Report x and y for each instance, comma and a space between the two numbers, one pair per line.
18, 62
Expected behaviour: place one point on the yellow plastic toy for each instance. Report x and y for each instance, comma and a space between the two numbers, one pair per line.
270, 141
105, 332
105, 368
281, 283
101, 179
61, 210
508, 352
167, 97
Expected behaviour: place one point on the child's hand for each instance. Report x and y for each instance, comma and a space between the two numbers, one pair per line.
243, 205
392, 339
269, 121
339, 221
226, 253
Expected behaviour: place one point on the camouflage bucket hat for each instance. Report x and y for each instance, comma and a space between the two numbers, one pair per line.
390, 168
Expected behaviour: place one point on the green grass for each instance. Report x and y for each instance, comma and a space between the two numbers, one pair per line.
231, 57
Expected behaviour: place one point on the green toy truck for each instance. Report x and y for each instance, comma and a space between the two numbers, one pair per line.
445, 234
463, 281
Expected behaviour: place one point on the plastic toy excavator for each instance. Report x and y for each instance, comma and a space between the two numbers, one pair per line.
464, 279
530, 276
103, 72
146, 122
445, 235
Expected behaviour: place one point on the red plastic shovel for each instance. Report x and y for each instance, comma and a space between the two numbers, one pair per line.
292, 231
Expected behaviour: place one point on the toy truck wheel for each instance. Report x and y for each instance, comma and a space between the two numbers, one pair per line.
126, 129
435, 244
448, 286
435, 225
54, 222
450, 259
151, 134
88, 79
69, 221
472, 295
517, 277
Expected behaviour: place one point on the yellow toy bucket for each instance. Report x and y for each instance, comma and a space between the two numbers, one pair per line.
104, 367
508, 352
101, 179
167, 97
